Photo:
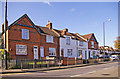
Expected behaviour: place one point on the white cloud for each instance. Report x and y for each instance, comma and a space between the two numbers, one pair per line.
47, 2
72, 9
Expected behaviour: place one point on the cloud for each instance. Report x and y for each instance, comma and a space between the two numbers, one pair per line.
72, 9
47, 2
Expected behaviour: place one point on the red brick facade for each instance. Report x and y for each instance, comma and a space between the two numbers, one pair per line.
95, 43
35, 39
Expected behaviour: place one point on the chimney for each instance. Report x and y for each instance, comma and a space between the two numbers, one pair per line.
65, 30
49, 25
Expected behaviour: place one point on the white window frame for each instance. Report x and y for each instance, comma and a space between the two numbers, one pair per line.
80, 43
21, 49
67, 40
25, 34
69, 52
92, 44
94, 54
52, 52
41, 51
79, 53
49, 39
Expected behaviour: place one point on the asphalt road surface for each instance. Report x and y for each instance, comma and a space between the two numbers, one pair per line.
101, 70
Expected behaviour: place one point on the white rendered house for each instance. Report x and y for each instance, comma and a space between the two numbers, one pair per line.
92, 43
71, 45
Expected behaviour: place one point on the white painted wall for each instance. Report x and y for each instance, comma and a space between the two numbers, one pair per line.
74, 46
83, 48
64, 46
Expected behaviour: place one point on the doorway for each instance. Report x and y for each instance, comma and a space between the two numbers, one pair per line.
62, 52
35, 52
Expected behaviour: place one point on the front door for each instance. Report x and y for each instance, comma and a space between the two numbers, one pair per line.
85, 54
41, 52
35, 52
89, 54
62, 53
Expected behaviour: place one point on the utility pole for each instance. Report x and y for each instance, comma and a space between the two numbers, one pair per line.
5, 35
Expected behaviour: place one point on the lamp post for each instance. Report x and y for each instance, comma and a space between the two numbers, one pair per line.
104, 36
5, 25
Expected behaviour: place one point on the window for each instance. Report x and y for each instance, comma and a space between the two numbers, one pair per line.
79, 53
21, 50
92, 44
69, 51
25, 34
68, 40
93, 53
80, 43
52, 52
49, 39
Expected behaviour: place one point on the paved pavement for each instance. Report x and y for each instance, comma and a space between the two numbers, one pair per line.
46, 69
102, 70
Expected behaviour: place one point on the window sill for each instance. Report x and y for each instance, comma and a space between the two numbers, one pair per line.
50, 42
67, 44
25, 39
52, 55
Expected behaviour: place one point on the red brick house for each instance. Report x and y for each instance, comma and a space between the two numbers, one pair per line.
25, 40
93, 48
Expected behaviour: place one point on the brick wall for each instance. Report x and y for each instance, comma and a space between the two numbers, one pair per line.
35, 39
95, 43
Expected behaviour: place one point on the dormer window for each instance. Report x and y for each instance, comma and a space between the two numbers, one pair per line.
68, 40
25, 34
92, 44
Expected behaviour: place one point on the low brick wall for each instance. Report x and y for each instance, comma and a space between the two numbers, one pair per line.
68, 61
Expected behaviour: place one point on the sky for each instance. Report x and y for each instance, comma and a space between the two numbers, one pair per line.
78, 17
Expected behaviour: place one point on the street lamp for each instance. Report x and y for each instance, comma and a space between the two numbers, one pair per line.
104, 35
5, 27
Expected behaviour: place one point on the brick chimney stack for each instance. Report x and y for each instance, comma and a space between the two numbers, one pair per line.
49, 25
65, 30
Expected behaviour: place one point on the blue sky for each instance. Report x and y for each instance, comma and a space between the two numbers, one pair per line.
78, 17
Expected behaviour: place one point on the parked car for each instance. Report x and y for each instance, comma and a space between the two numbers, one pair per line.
102, 56
114, 57
106, 57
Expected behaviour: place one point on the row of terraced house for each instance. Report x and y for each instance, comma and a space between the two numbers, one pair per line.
25, 40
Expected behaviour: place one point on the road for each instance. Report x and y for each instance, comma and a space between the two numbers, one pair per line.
101, 70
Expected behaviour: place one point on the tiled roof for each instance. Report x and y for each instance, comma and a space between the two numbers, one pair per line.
47, 31
88, 36
74, 36
107, 49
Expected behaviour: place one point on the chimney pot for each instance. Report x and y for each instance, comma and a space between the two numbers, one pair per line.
65, 30
49, 25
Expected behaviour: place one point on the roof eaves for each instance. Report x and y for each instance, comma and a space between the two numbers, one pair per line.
81, 37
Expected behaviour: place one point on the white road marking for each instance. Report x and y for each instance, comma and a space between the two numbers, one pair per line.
83, 74
109, 67
92, 72
76, 75
89, 72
